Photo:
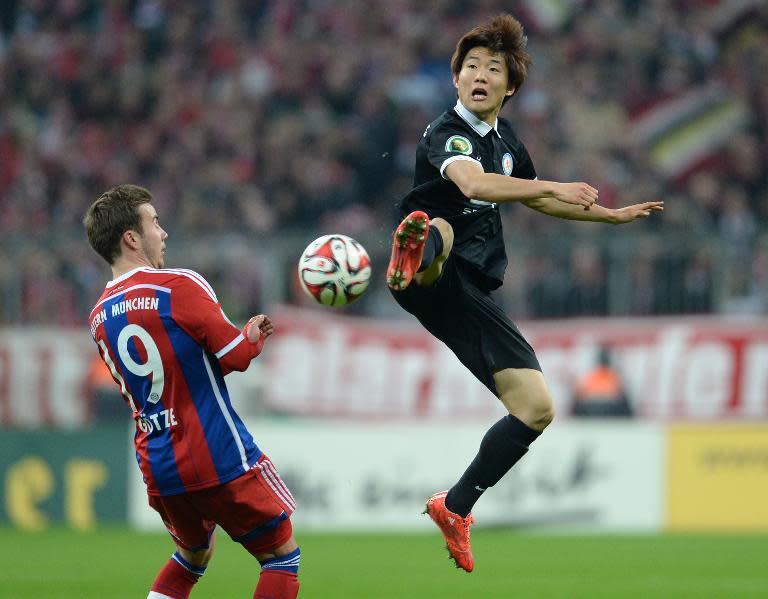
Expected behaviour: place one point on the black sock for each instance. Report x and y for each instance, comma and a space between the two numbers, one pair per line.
432, 248
502, 446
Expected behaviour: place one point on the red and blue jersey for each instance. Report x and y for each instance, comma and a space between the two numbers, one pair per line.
168, 344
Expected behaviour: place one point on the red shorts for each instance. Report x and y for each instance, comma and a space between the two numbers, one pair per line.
254, 509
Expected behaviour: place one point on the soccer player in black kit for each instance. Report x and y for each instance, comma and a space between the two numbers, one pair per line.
448, 254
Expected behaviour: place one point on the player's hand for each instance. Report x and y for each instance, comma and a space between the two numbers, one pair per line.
258, 328
578, 194
635, 211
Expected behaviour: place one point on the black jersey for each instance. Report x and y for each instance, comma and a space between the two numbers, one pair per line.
458, 135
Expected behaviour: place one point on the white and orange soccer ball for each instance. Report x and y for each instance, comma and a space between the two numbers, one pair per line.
334, 270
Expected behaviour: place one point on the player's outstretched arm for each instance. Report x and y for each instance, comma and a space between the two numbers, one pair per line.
629, 213
474, 183
595, 213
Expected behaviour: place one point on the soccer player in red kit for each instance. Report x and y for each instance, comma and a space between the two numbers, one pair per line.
168, 345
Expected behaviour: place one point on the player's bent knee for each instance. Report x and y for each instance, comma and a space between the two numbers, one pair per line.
535, 409
197, 558
543, 419
541, 413
273, 539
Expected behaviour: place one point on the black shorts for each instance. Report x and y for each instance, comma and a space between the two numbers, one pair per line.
464, 316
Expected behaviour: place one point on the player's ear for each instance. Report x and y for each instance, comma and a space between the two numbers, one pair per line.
510, 92
455, 78
131, 239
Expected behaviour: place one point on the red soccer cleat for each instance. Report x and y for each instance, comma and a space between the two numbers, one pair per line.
455, 529
407, 250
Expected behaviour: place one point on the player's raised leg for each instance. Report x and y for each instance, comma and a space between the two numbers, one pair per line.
419, 249
437, 248
407, 250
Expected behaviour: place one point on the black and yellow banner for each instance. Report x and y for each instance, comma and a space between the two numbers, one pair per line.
717, 478
73, 478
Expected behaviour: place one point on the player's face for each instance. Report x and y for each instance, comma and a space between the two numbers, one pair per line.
153, 237
482, 83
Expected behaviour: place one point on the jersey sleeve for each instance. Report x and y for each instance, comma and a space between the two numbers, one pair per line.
447, 144
196, 309
524, 168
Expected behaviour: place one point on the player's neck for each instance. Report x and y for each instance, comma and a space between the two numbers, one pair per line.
126, 264
488, 118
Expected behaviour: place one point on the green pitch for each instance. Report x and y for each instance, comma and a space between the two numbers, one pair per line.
117, 563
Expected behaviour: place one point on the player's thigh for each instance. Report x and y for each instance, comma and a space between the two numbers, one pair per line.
191, 530
255, 509
525, 394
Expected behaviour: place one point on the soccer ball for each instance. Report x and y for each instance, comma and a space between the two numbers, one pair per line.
334, 270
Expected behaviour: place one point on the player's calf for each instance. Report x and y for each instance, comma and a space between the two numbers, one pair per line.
279, 577
437, 248
176, 579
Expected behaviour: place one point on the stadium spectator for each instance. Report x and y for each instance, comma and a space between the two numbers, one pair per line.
90, 97
105, 397
601, 391
468, 162
168, 344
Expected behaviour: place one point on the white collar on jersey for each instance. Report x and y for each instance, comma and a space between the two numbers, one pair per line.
481, 127
130, 273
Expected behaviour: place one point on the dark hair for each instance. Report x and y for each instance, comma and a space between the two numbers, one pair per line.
115, 212
503, 34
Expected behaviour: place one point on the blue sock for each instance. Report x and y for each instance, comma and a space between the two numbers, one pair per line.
286, 563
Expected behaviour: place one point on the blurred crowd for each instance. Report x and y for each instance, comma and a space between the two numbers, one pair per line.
261, 125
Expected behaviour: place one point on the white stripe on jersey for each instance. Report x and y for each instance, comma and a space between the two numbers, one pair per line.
142, 286
225, 412
124, 276
191, 274
227, 318
448, 161
196, 277
229, 346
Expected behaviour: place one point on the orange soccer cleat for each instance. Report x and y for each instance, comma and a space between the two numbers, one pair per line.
455, 529
407, 249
